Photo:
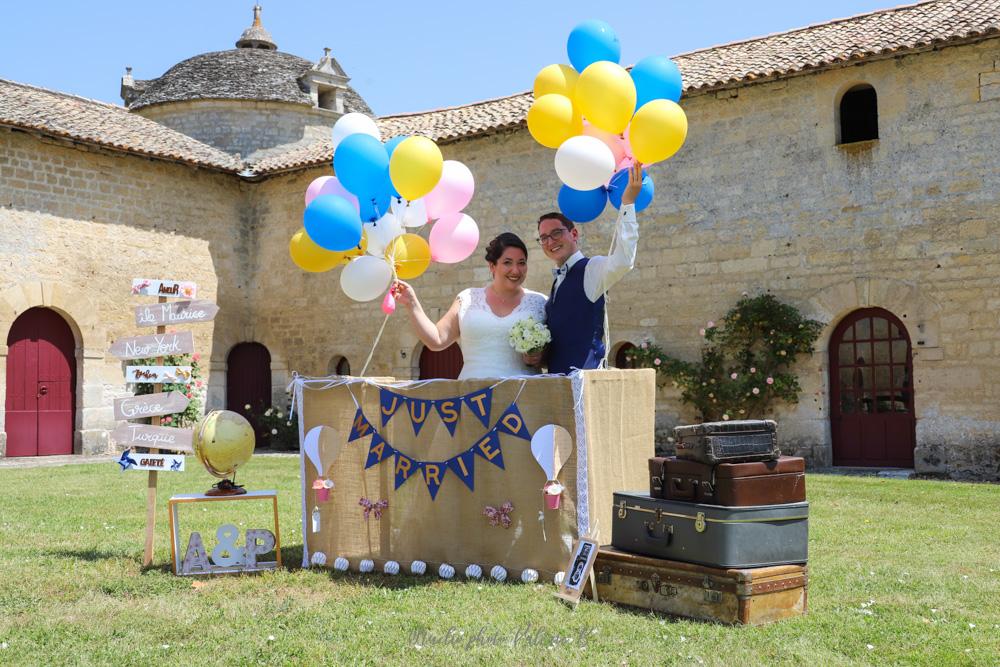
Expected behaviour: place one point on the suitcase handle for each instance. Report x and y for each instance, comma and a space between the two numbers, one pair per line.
678, 489
666, 533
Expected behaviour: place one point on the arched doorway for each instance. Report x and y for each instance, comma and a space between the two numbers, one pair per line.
338, 365
41, 385
446, 364
248, 382
871, 391
622, 355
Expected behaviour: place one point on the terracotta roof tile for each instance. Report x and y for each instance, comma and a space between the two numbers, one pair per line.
80, 119
896, 30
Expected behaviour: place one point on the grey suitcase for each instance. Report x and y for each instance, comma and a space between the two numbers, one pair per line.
713, 535
739, 441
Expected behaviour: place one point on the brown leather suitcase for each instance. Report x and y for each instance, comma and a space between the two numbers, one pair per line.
735, 596
733, 484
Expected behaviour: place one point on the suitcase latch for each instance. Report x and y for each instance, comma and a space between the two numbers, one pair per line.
621, 509
654, 584
699, 522
604, 576
710, 595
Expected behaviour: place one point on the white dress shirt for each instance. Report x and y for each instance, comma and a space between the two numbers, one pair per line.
602, 271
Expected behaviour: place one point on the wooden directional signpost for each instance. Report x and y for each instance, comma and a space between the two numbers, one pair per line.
156, 437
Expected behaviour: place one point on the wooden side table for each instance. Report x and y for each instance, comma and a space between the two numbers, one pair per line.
175, 547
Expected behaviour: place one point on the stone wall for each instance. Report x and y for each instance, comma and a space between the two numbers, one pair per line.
239, 126
77, 226
760, 199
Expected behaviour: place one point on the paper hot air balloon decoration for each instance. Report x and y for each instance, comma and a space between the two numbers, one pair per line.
322, 446
551, 446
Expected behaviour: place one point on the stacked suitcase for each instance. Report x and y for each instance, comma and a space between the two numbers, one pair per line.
722, 534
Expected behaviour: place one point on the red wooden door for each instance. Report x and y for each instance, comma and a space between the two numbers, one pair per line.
446, 364
41, 385
871, 391
248, 382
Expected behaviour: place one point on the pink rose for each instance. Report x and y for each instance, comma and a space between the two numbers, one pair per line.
753, 370
702, 332
656, 361
756, 391
644, 345
189, 394
711, 324
198, 384
770, 380
734, 376
196, 356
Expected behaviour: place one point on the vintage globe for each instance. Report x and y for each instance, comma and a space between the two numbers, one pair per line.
223, 442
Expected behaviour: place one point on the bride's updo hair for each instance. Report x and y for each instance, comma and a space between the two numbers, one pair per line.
503, 241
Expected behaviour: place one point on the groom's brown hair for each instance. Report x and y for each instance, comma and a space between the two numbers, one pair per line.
567, 223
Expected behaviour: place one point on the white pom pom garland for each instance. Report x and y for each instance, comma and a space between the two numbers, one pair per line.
473, 571
498, 573
391, 567
341, 564
558, 579
446, 571
529, 576
367, 565
418, 567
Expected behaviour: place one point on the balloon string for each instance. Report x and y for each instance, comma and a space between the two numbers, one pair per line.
392, 282
607, 321
364, 369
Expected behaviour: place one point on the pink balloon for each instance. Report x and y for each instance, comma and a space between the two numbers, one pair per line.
453, 238
329, 185
628, 159
389, 303
452, 193
613, 141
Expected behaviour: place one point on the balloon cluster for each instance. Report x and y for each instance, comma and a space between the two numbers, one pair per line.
602, 119
368, 216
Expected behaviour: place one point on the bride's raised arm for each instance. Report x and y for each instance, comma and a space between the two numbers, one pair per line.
435, 337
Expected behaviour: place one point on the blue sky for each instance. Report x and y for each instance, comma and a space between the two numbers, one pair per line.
401, 56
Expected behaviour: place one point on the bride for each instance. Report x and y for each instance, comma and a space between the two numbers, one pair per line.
481, 317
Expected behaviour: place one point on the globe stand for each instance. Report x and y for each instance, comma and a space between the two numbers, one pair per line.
226, 488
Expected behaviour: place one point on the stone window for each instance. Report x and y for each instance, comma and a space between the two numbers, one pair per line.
329, 98
858, 115
339, 365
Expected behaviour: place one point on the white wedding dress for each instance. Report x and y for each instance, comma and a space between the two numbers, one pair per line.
484, 335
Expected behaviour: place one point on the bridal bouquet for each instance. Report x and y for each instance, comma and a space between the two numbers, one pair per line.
528, 336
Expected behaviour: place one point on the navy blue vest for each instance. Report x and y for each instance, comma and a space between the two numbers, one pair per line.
576, 324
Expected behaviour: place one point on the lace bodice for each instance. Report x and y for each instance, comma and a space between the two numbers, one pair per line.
483, 335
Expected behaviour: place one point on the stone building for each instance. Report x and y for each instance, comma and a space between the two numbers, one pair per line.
851, 168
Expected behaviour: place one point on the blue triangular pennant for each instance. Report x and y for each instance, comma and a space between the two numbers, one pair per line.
513, 423
479, 403
360, 428
449, 410
418, 409
389, 403
489, 448
378, 450
433, 474
405, 467
463, 465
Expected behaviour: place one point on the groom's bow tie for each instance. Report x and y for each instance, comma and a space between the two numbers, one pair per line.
561, 271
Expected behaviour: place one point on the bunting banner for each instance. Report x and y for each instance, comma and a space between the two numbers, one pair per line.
488, 447
448, 409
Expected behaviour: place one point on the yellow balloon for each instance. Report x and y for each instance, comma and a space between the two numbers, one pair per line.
357, 251
310, 257
556, 79
658, 131
415, 167
223, 441
552, 120
605, 95
410, 254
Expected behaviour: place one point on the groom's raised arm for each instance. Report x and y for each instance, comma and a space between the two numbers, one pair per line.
604, 271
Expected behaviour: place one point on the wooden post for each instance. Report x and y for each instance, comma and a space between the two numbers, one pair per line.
147, 556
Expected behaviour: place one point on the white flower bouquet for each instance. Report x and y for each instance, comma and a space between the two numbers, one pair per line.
528, 336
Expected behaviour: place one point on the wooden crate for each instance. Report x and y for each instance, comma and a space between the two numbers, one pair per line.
751, 596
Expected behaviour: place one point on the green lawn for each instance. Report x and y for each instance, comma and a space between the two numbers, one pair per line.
901, 572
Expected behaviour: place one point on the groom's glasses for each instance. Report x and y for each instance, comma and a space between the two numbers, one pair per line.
554, 235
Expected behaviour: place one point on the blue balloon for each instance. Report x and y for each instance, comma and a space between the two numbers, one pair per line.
374, 207
361, 164
582, 205
332, 223
592, 41
390, 145
656, 78
616, 188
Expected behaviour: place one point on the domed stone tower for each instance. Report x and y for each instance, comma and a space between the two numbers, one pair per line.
248, 99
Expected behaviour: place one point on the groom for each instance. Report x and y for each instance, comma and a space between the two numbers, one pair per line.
575, 310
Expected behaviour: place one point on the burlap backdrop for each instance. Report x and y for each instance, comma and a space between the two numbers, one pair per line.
618, 418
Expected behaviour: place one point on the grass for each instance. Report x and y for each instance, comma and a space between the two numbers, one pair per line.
904, 572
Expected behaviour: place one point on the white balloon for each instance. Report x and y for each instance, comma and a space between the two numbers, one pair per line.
584, 163
354, 123
367, 565
366, 278
318, 559
381, 233
341, 564
391, 567
415, 214
498, 573
529, 576
473, 571
446, 571
418, 567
